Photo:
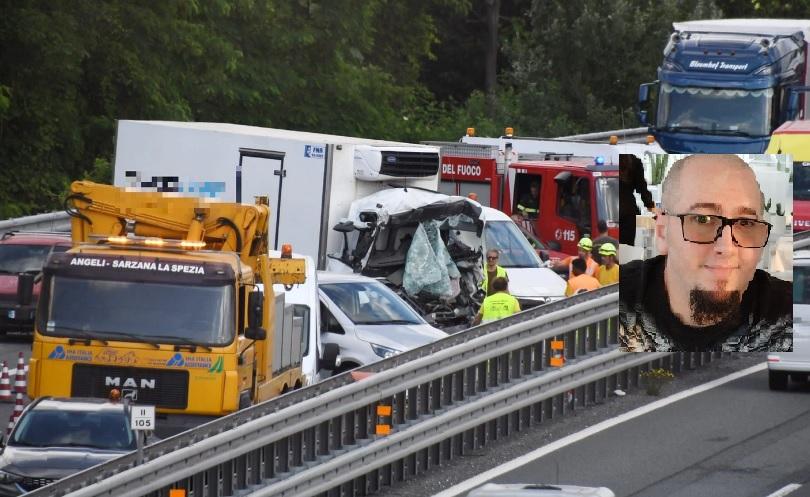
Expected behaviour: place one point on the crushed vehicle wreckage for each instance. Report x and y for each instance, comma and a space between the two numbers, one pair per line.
429, 248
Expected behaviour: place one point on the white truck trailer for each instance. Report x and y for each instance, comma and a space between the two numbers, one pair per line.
315, 177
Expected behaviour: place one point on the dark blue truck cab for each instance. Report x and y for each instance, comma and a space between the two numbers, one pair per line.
726, 84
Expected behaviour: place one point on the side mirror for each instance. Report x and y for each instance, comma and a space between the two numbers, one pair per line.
331, 356
254, 329
25, 288
642, 118
643, 93
256, 333
255, 309
344, 227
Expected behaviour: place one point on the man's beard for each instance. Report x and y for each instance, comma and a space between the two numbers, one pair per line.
714, 306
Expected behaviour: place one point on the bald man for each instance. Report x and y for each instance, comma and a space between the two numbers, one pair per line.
704, 292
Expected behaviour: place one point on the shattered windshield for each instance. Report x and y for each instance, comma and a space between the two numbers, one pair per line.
139, 311
514, 249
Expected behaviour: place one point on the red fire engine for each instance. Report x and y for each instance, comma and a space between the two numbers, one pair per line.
574, 192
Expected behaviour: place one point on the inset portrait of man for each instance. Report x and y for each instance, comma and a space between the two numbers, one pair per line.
703, 292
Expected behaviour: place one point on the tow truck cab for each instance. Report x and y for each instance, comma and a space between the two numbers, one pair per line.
574, 194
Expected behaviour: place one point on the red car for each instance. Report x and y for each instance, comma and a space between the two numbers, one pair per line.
22, 255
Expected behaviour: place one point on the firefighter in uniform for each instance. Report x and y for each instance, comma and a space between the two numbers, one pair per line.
609, 271
584, 253
529, 202
498, 305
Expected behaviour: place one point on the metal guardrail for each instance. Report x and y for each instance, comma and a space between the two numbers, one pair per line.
52, 221
631, 135
446, 399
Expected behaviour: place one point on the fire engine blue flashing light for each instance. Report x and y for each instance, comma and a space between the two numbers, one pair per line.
600, 161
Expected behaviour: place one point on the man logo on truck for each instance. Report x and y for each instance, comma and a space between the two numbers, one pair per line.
115, 381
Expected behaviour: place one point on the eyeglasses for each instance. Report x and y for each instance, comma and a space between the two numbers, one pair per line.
490, 258
707, 228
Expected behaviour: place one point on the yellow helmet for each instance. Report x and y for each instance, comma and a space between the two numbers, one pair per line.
607, 249
585, 244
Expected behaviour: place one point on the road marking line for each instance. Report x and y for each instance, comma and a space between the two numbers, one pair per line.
785, 490
592, 430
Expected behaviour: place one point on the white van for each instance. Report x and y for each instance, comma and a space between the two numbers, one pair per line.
367, 320
795, 365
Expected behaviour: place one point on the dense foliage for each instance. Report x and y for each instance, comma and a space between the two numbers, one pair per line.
400, 69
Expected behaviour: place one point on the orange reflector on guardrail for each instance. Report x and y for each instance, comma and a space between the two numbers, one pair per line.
383, 426
557, 358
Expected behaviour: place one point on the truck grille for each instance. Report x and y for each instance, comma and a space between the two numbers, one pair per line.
28, 483
402, 164
159, 387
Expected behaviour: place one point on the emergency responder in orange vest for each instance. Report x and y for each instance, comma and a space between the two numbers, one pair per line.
584, 250
498, 305
580, 282
609, 271
491, 271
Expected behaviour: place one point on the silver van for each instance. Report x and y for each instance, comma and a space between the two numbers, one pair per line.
795, 365
368, 320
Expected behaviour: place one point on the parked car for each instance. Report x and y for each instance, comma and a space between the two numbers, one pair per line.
368, 320
22, 255
538, 490
56, 437
795, 365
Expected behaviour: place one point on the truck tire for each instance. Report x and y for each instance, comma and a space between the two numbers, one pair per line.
777, 380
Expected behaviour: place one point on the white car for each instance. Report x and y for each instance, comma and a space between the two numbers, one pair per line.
538, 490
795, 365
368, 320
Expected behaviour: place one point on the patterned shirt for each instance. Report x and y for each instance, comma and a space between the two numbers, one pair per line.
646, 321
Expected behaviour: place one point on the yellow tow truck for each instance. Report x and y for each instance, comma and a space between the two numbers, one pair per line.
169, 300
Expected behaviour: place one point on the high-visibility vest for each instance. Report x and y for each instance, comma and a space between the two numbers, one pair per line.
608, 276
591, 267
529, 211
498, 305
499, 273
581, 282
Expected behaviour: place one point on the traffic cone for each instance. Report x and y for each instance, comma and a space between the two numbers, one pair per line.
5, 384
10, 425
18, 407
19, 378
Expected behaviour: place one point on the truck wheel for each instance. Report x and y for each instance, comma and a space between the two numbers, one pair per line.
244, 400
777, 380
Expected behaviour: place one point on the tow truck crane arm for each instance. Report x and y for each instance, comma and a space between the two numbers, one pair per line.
104, 210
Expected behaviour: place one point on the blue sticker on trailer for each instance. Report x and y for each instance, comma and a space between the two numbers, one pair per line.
314, 151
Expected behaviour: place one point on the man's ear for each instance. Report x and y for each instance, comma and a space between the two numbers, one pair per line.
661, 234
